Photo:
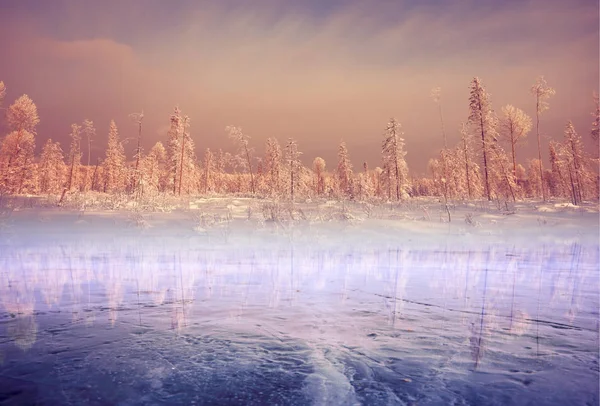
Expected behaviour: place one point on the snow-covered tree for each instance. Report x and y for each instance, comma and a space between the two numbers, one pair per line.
394, 164
208, 171
245, 152
344, 172
114, 163
319, 173
137, 118
181, 155
89, 132
293, 165
483, 122
576, 161
187, 158
52, 168
153, 165
471, 174
272, 166
18, 146
74, 156
16, 157
541, 91
514, 126
556, 181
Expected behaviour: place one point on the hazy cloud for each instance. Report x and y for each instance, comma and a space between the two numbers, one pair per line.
317, 71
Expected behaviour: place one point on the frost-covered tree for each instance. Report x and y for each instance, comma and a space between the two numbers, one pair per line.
293, 165
514, 126
344, 172
52, 168
18, 146
137, 118
483, 122
89, 132
576, 161
394, 164
181, 155
319, 173
245, 152
187, 159
174, 134
472, 184
502, 176
153, 165
208, 171
272, 166
541, 91
556, 181
114, 163
16, 157
74, 155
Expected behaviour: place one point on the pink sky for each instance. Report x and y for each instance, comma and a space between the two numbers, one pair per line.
320, 72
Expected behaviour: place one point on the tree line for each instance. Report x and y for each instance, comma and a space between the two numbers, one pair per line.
483, 164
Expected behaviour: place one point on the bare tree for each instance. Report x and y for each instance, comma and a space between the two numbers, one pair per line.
541, 91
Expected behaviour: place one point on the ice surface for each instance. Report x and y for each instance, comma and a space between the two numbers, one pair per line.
106, 312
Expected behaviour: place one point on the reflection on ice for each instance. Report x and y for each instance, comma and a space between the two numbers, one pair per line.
334, 326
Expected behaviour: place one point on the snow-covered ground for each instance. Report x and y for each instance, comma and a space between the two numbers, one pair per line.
227, 221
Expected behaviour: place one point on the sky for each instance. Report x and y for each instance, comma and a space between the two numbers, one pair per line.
318, 71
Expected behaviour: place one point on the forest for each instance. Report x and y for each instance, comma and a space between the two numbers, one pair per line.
482, 166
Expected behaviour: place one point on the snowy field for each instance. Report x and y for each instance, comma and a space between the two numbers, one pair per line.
249, 302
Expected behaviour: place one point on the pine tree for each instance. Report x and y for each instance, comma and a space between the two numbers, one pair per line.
138, 118
74, 155
153, 167
175, 134
89, 132
344, 172
114, 163
576, 162
394, 164
541, 91
483, 122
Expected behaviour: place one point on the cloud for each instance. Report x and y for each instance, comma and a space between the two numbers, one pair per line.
284, 70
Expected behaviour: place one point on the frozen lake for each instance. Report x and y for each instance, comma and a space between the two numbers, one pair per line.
164, 322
